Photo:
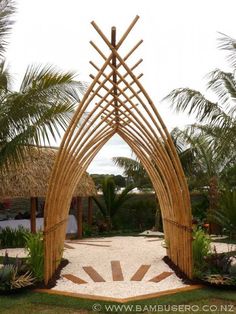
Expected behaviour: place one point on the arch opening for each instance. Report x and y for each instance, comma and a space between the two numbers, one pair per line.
119, 105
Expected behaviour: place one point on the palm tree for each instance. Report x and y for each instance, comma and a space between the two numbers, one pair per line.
133, 170
225, 215
136, 173
112, 200
201, 159
40, 110
206, 165
37, 113
7, 10
217, 120
220, 114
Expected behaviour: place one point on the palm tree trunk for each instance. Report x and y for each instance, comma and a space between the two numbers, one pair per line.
108, 223
213, 197
157, 220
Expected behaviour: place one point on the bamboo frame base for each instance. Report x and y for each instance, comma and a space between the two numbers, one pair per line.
121, 300
116, 102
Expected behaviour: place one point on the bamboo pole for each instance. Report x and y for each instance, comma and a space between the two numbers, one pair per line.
123, 107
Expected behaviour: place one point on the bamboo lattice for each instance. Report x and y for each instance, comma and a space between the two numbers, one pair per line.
116, 102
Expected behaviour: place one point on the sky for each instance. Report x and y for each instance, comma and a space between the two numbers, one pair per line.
179, 48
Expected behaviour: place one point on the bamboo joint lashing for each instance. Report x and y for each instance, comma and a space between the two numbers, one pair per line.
179, 225
55, 226
120, 105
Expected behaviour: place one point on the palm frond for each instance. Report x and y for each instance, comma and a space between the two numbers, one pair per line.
223, 84
47, 82
177, 139
51, 121
193, 102
40, 112
229, 44
121, 198
129, 165
100, 206
5, 78
7, 9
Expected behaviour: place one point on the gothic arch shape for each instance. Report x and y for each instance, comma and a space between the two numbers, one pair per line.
116, 102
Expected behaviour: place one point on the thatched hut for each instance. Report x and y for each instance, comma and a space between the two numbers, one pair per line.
30, 180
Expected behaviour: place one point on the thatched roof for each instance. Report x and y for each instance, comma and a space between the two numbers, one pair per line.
31, 178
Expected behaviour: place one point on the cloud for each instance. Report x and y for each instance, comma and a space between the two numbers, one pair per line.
103, 163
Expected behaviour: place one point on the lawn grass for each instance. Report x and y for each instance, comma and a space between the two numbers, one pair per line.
32, 302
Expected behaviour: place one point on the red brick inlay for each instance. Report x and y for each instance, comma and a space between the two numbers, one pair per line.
140, 273
93, 274
161, 276
74, 279
117, 274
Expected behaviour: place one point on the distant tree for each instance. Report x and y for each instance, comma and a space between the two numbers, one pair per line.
120, 181
112, 201
134, 171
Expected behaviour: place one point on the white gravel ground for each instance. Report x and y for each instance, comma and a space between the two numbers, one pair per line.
14, 252
132, 252
223, 247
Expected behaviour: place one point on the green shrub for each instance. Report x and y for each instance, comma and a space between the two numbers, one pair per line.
87, 230
138, 213
12, 277
35, 259
199, 204
6, 274
13, 238
225, 215
201, 249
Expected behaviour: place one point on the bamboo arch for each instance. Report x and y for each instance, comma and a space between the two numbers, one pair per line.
118, 103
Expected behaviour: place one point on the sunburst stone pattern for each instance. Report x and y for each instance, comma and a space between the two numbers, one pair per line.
116, 267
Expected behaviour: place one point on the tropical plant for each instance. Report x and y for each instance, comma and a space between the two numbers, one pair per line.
201, 249
140, 209
217, 120
134, 171
20, 281
12, 278
225, 215
35, 259
87, 230
6, 274
13, 238
220, 268
112, 200
40, 110
7, 9
205, 163
220, 280
218, 263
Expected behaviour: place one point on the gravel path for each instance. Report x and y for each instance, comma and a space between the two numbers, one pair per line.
132, 252
14, 252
